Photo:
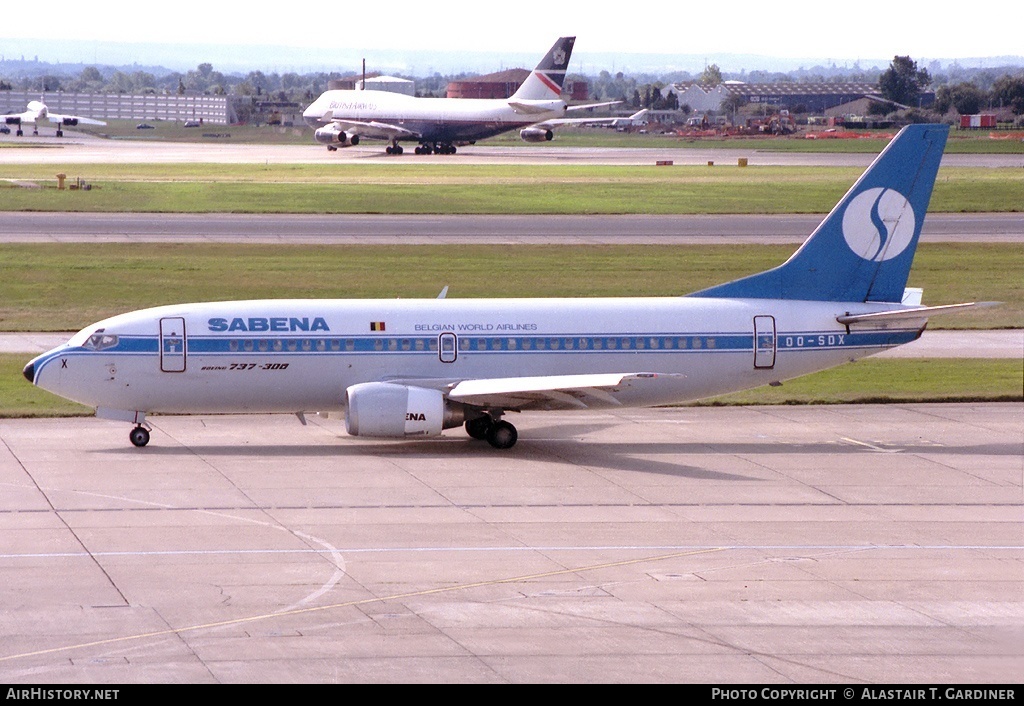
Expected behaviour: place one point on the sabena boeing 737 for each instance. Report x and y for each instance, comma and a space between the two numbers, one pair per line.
440, 125
38, 112
403, 368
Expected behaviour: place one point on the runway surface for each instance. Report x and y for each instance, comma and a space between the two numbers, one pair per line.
876, 544
466, 229
79, 148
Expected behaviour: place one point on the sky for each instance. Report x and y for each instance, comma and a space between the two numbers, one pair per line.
325, 34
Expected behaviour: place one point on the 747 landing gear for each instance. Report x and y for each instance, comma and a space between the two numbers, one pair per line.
139, 436
394, 148
498, 433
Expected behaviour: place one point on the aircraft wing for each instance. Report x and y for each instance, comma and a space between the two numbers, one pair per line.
73, 119
374, 129
15, 118
549, 391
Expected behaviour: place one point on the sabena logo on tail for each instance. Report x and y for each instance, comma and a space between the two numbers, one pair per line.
879, 224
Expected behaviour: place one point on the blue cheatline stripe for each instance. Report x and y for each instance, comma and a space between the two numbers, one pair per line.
470, 344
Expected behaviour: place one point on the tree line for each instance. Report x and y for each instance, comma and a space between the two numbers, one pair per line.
967, 91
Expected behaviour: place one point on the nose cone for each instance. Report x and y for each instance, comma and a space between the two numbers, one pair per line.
30, 371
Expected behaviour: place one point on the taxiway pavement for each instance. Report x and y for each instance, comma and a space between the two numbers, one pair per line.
339, 229
80, 148
875, 544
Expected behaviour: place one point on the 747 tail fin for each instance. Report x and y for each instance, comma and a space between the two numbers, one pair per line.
545, 82
863, 249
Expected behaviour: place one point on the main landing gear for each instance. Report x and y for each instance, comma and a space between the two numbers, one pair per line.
436, 148
139, 436
497, 432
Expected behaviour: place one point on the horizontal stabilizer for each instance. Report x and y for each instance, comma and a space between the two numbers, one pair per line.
536, 107
915, 313
589, 106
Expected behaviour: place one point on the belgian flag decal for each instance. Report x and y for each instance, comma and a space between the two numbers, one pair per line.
376, 325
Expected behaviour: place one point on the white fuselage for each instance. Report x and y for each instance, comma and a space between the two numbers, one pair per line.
449, 120
302, 355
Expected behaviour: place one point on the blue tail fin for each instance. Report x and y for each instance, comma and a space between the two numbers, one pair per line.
863, 249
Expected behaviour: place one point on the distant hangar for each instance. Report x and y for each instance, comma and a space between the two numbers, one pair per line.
797, 97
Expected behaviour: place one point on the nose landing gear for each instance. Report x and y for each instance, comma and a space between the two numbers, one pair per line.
139, 436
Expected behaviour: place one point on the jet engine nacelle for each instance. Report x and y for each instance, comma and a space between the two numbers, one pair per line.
12, 120
536, 134
70, 121
390, 410
334, 135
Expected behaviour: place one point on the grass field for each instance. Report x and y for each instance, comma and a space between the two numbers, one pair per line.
65, 287
477, 189
60, 287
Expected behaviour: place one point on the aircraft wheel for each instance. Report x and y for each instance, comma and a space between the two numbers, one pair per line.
502, 435
389, 150
139, 436
332, 148
398, 149
19, 132
479, 427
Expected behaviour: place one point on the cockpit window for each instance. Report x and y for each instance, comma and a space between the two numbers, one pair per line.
100, 341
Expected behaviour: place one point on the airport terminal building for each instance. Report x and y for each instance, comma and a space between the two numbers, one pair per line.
121, 106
